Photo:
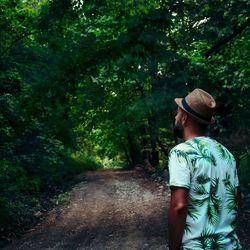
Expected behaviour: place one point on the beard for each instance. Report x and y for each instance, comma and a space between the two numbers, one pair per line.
178, 130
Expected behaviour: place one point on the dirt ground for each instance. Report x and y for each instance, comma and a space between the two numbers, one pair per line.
110, 210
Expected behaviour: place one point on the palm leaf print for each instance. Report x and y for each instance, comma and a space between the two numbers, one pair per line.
214, 187
203, 241
210, 240
200, 202
213, 210
205, 154
233, 238
214, 206
217, 242
192, 212
211, 197
187, 228
224, 154
201, 152
181, 155
208, 199
227, 179
231, 198
202, 179
231, 194
200, 190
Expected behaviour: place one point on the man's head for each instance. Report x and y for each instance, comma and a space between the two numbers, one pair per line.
194, 114
178, 125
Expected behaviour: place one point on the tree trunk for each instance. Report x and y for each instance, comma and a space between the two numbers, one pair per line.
152, 129
134, 152
153, 141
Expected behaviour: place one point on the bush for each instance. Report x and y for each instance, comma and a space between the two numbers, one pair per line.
23, 185
82, 161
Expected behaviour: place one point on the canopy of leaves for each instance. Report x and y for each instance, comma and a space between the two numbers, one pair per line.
83, 79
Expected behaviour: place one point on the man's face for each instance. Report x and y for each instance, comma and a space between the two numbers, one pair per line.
178, 128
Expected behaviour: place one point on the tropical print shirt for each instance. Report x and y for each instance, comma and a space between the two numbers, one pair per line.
208, 170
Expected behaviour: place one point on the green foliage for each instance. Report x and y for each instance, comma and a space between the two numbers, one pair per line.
81, 81
79, 161
61, 198
244, 165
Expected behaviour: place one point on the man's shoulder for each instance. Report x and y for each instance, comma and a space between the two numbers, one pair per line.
187, 145
223, 151
220, 151
184, 149
179, 147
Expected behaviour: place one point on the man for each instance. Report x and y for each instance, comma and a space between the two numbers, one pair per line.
203, 181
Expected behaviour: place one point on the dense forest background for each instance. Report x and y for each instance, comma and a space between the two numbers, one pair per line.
87, 84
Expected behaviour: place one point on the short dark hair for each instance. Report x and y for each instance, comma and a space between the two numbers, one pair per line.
201, 127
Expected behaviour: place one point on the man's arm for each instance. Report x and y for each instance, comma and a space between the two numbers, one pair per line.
177, 216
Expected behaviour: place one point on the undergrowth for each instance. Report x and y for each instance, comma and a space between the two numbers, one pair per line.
23, 194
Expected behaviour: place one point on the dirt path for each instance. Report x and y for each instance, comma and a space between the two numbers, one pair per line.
110, 210
107, 210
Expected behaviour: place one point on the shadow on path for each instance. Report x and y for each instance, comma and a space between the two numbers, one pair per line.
107, 210
114, 209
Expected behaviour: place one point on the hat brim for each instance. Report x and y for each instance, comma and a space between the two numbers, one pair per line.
178, 101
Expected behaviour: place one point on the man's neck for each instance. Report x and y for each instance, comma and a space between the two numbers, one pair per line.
191, 134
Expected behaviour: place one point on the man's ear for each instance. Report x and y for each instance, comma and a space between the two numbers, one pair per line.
184, 119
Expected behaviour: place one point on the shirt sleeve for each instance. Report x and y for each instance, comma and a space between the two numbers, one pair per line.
179, 171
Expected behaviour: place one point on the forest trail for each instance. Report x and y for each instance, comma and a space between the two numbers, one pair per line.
111, 210
106, 210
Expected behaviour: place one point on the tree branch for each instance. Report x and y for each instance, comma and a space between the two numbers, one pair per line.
17, 40
227, 39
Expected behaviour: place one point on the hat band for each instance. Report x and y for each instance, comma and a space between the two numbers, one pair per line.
192, 112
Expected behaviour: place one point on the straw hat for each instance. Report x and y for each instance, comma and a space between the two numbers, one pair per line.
199, 105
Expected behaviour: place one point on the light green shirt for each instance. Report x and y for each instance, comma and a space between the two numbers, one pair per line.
208, 170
